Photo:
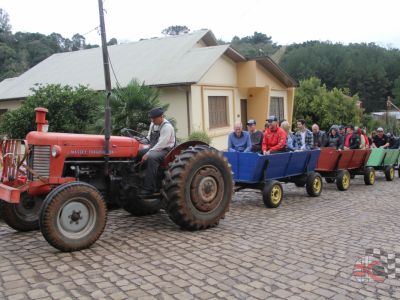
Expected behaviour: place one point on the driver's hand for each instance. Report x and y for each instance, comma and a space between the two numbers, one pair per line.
144, 158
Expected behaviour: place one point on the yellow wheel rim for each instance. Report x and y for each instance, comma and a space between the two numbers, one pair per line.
276, 194
346, 181
317, 185
372, 177
391, 173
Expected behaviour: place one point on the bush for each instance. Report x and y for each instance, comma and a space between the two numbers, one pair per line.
70, 110
200, 136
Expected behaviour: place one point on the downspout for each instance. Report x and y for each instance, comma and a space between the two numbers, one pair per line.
188, 111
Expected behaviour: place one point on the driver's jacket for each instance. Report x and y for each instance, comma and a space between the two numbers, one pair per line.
161, 137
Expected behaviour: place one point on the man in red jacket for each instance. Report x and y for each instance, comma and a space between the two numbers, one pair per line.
274, 137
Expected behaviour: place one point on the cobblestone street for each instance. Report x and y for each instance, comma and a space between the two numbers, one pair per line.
305, 249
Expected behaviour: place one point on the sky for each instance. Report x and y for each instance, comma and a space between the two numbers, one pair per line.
287, 21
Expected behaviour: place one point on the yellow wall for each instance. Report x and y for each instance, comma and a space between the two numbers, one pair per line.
246, 73
176, 98
264, 78
222, 73
257, 105
10, 105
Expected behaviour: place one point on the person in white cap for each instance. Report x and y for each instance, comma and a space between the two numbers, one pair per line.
380, 139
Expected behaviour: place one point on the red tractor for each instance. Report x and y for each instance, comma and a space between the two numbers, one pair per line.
58, 182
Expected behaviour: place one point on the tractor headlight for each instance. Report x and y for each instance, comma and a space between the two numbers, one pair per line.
55, 151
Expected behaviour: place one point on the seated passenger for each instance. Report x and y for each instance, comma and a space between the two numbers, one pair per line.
291, 140
380, 140
319, 137
256, 136
352, 139
334, 138
393, 142
304, 137
239, 140
274, 137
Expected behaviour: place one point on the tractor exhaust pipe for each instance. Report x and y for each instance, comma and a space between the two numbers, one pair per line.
107, 110
42, 125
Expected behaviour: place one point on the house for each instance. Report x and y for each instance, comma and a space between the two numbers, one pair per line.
208, 86
383, 115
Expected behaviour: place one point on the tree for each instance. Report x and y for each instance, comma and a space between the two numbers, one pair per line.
175, 30
5, 26
70, 110
130, 106
113, 41
259, 44
396, 91
78, 42
316, 104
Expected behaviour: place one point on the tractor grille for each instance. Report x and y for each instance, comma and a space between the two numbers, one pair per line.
40, 161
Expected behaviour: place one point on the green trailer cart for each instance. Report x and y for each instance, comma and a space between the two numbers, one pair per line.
385, 160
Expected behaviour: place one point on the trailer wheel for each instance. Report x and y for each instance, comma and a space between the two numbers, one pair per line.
300, 181
314, 184
369, 176
389, 173
330, 180
343, 180
398, 170
73, 216
272, 194
198, 188
23, 216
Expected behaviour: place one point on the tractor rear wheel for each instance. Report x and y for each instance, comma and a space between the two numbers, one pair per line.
314, 184
389, 173
198, 188
343, 180
23, 216
73, 216
369, 176
272, 194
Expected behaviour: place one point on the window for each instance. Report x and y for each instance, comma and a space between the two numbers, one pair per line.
276, 108
218, 111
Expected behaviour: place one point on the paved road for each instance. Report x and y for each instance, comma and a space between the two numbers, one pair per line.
305, 249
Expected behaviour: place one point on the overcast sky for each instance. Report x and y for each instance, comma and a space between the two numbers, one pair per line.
287, 21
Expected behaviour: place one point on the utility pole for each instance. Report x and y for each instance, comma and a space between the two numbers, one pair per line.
107, 110
387, 112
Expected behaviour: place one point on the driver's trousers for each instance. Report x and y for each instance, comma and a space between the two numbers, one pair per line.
154, 159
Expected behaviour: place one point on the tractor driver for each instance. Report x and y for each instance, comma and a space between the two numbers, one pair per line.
162, 139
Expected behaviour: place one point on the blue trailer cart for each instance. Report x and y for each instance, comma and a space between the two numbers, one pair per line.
265, 172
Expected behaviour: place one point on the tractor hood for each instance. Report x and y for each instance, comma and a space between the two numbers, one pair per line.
85, 145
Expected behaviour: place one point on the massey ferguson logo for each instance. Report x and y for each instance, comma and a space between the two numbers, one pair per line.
89, 152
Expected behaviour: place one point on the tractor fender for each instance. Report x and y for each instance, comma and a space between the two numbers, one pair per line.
178, 149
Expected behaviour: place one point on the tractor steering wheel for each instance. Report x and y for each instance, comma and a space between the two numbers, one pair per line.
135, 135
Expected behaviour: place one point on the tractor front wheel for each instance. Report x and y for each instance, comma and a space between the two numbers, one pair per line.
198, 188
22, 216
73, 216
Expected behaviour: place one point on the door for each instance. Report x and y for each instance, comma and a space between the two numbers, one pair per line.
243, 112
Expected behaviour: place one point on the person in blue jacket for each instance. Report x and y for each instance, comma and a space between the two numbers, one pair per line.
239, 140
